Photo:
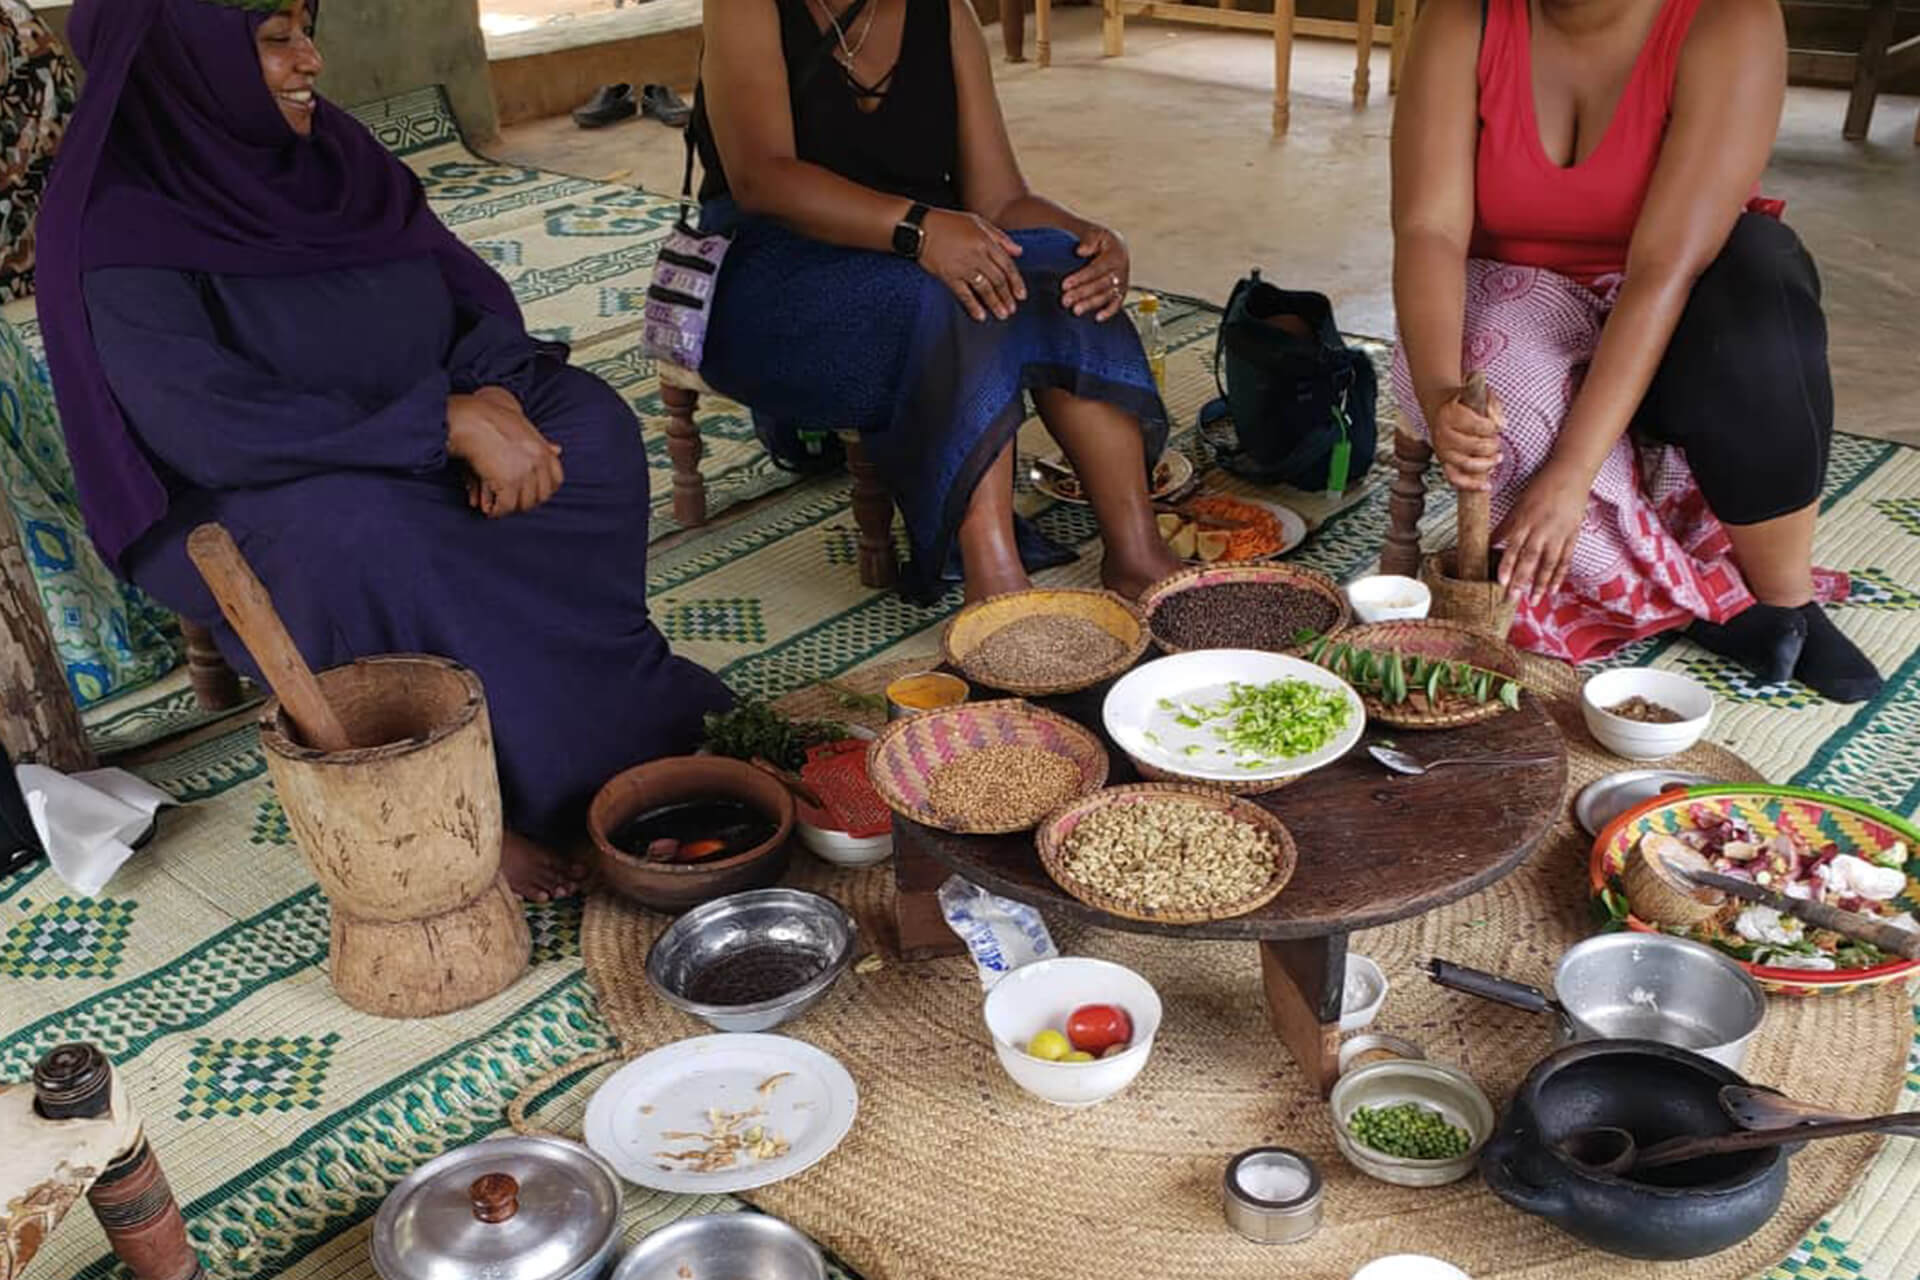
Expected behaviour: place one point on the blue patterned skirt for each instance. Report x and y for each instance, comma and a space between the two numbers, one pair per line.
815, 337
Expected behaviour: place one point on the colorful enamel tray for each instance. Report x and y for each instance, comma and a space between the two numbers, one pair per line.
1813, 816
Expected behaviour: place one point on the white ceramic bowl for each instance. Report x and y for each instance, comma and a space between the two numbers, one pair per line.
1388, 597
1409, 1266
1139, 710
1039, 996
1363, 971
1635, 739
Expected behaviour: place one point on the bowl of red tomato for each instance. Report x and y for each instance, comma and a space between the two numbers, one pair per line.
1073, 1031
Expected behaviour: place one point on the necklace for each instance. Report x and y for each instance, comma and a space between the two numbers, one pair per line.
848, 52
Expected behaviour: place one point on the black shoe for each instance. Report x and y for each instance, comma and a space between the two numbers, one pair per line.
660, 102
609, 104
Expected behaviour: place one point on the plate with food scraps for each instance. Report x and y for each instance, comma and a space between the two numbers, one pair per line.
1220, 528
1846, 853
1240, 718
1053, 475
719, 1114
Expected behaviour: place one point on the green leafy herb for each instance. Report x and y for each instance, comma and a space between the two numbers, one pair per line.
755, 730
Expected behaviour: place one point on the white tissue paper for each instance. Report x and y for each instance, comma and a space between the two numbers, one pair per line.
88, 822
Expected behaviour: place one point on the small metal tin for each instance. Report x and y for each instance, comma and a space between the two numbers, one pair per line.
1601, 802
958, 691
1272, 1195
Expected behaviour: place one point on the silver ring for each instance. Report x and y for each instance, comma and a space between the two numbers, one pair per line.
1116, 283
979, 277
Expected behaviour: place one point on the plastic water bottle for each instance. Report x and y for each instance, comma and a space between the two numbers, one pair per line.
1155, 342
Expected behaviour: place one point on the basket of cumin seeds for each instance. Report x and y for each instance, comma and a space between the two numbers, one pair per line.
1242, 606
984, 768
1042, 643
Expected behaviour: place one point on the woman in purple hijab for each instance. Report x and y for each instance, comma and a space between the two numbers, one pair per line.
252, 316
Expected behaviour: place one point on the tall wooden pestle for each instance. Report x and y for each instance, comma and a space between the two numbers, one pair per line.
1474, 505
249, 610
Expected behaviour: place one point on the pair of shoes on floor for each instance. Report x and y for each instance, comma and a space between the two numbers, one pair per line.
1777, 643
612, 103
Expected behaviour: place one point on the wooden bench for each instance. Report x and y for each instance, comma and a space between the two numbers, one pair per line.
1879, 59
681, 389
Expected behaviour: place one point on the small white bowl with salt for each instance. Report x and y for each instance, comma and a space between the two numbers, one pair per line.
1388, 597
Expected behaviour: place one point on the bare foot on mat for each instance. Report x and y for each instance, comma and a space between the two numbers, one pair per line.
535, 873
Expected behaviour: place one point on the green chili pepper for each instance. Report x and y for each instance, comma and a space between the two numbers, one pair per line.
1396, 680
1510, 694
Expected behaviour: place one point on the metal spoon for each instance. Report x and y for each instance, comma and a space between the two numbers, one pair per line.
1606, 1149
1401, 762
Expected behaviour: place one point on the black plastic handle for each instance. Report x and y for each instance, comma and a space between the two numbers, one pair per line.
1489, 986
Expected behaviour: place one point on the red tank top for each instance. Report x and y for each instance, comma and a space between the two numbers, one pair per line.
1576, 220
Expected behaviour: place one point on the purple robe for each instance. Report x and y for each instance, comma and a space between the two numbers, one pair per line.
307, 414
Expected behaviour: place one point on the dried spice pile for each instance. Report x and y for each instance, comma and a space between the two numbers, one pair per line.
1241, 615
1169, 856
1045, 649
1002, 786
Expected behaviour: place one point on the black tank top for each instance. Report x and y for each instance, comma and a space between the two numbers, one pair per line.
908, 146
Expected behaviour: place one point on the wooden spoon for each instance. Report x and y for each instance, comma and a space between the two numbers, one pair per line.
1607, 1149
1752, 1108
1475, 505
249, 610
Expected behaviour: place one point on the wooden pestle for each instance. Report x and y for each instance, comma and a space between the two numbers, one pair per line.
1474, 505
249, 610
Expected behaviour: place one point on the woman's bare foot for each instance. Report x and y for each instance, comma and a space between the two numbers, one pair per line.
1132, 575
535, 873
996, 582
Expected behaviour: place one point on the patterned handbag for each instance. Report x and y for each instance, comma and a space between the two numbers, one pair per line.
674, 328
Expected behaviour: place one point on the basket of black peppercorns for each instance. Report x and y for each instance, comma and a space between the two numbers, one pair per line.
1242, 606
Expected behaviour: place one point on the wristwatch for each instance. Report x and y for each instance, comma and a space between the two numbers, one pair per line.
909, 237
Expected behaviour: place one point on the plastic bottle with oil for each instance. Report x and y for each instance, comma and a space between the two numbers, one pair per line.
1147, 321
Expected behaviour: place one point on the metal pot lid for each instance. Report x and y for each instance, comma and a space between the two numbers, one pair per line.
514, 1208
1601, 802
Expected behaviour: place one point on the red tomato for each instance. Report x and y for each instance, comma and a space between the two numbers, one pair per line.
1095, 1028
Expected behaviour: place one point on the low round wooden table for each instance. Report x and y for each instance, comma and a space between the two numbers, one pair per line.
1375, 847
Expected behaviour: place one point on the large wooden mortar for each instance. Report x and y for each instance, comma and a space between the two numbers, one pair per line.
1465, 579
404, 837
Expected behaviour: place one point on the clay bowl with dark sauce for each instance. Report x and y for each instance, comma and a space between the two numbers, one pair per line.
730, 787
1654, 1092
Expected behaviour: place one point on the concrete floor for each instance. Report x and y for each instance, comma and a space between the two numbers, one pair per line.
1171, 145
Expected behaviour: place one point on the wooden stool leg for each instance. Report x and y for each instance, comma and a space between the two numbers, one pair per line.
1043, 32
1404, 12
1866, 69
1113, 30
38, 719
873, 514
1407, 503
1303, 982
1282, 66
1362, 52
216, 686
683, 446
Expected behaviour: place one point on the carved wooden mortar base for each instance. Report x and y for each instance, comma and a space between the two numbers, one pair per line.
1482, 606
422, 968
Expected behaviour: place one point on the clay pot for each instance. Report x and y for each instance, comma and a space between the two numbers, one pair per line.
1655, 1092
674, 887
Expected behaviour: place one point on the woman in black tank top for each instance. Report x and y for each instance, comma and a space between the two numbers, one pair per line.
892, 273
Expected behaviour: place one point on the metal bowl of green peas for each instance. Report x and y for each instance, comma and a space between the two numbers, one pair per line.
1411, 1123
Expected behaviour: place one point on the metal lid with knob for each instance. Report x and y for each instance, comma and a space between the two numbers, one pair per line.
518, 1208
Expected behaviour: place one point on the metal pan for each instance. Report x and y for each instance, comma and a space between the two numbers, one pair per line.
1640, 986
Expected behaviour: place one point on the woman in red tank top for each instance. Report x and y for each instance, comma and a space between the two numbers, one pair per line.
1574, 215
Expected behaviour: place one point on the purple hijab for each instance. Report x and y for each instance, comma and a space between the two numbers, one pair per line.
177, 156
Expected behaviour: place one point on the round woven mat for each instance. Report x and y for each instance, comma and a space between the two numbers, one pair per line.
953, 1172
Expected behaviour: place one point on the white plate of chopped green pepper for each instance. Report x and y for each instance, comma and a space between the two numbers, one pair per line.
1235, 716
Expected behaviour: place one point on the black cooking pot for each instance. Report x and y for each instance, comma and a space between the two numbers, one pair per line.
1653, 1091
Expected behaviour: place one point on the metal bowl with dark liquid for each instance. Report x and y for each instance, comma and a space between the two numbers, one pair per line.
754, 960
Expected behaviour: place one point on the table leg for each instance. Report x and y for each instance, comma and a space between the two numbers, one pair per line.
1043, 32
1363, 51
1282, 65
1113, 30
1303, 981
917, 919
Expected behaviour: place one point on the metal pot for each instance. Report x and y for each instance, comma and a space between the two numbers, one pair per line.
1646, 986
515, 1208
1654, 1091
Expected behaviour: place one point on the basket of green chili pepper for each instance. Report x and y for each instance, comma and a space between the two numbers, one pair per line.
1425, 674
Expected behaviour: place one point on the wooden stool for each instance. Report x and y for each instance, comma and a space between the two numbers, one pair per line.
681, 389
1406, 503
1879, 58
405, 838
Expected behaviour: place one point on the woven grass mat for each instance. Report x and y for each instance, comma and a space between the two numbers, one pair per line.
952, 1171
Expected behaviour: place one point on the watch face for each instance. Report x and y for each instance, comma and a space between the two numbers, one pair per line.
907, 237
